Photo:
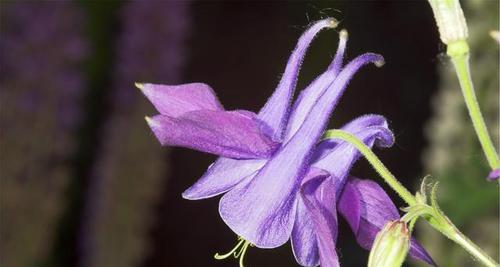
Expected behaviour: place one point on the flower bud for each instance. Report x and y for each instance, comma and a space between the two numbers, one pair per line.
450, 20
390, 246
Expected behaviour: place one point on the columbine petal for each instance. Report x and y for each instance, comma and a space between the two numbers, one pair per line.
263, 210
366, 207
315, 234
303, 239
221, 176
275, 111
311, 94
232, 134
175, 100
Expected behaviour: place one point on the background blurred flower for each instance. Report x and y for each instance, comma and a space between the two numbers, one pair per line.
41, 80
129, 172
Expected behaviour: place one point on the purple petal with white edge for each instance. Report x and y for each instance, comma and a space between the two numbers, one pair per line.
275, 111
318, 195
221, 176
262, 211
366, 207
175, 100
303, 239
494, 175
234, 134
311, 94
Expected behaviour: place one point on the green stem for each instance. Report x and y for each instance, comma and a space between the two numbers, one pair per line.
459, 54
473, 249
375, 162
441, 223
437, 220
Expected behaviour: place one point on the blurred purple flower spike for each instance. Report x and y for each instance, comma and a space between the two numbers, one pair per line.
494, 175
280, 183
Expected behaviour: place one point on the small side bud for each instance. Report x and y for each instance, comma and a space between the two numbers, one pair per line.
390, 246
450, 20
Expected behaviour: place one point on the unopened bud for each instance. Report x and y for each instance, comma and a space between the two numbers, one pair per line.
390, 246
450, 20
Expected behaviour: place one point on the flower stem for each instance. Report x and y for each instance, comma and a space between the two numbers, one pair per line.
375, 162
459, 54
441, 223
437, 219
473, 249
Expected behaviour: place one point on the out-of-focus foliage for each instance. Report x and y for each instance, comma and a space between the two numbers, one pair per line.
128, 177
454, 156
41, 51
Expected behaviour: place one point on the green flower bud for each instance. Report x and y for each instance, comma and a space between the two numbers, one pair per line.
450, 20
390, 246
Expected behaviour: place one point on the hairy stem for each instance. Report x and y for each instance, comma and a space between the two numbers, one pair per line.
375, 162
459, 54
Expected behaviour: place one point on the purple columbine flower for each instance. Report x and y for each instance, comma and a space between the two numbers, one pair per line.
271, 167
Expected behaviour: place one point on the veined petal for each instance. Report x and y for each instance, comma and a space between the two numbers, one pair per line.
314, 235
175, 100
311, 94
337, 157
221, 176
275, 111
234, 134
303, 239
262, 211
366, 207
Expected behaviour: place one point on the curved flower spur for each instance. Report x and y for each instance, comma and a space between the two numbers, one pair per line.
268, 158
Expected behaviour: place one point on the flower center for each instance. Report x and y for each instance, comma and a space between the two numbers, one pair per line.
237, 252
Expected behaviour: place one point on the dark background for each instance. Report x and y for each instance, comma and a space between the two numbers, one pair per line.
239, 48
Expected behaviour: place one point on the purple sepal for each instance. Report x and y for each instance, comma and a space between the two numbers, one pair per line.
175, 100
494, 175
366, 207
221, 176
234, 134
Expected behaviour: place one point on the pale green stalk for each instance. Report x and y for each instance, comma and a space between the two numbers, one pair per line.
453, 32
375, 162
459, 54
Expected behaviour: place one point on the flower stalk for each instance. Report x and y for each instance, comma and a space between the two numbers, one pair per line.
381, 169
453, 32
434, 216
459, 54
